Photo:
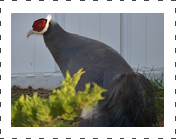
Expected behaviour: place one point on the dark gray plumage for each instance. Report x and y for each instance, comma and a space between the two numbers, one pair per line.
129, 100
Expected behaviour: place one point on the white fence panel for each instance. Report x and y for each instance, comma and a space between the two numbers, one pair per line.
155, 40
143, 39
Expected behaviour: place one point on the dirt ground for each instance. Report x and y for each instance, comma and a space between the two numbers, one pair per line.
17, 91
161, 122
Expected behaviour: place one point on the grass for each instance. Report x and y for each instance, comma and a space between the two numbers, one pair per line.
159, 96
158, 85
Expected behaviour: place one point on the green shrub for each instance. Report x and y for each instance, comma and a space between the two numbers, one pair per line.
63, 105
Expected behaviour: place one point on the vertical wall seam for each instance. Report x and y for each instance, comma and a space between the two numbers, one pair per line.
80, 23
57, 20
62, 20
20, 44
34, 51
121, 35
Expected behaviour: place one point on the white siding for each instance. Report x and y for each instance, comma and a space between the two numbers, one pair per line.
138, 37
143, 39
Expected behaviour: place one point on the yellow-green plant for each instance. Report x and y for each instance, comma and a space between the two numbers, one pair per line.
64, 104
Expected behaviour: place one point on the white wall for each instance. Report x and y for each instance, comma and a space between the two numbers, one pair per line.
138, 37
143, 39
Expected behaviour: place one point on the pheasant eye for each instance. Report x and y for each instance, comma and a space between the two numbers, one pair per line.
39, 25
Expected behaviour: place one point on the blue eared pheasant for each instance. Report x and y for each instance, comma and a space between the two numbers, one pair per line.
129, 100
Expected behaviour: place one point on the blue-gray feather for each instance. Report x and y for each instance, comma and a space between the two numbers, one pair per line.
106, 67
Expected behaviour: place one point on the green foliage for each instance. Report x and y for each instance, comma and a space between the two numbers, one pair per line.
62, 105
14, 99
158, 85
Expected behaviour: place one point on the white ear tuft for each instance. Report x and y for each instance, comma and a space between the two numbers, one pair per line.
49, 16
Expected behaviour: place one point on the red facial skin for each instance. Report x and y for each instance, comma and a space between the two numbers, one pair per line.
39, 25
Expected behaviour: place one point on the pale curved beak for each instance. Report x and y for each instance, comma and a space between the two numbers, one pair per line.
30, 32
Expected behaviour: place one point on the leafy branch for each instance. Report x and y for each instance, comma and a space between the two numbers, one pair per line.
64, 104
